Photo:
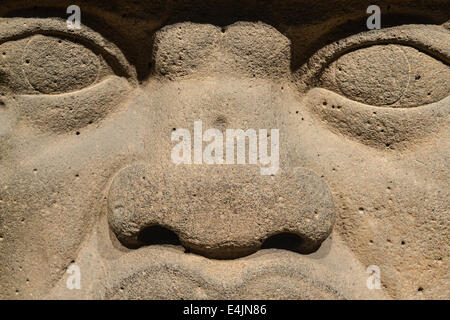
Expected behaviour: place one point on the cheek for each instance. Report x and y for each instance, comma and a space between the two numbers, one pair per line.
377, 127
51, 193
8, 119
386, 210
45, 216
387, 199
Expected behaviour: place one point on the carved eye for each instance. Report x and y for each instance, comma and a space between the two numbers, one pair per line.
59, 81
49, 65
388, 75
52, 65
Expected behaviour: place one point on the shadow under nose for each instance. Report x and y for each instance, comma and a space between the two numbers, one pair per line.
220, 212
158, 235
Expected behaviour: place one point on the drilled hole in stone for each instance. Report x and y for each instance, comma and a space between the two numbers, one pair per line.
221, 120
157, 235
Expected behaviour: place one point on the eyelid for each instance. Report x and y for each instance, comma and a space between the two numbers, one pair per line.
431, 39
12, 29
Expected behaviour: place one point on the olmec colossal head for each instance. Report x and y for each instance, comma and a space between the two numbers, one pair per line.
222, 150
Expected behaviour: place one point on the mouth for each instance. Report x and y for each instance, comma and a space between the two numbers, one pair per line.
164, 271
169, 273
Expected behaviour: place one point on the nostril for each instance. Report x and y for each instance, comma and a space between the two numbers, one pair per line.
287, 241
296, 208
157, 235
152, 235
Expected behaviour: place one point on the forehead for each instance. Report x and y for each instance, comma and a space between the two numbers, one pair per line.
309, 25
292, 13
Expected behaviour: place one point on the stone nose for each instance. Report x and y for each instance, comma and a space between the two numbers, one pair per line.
220, 212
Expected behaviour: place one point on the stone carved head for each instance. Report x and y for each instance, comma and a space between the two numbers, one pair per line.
90, 117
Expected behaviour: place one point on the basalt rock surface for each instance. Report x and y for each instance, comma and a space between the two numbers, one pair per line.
359, 173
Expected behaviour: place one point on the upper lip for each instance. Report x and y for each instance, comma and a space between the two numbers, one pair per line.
289, 274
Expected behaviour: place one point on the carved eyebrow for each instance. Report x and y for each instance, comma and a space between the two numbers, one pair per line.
12, 29
431, 39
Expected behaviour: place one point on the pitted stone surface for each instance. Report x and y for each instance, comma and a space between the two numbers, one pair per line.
404, 77
221, 212
243, 49
86, 114
47, 60
166, 272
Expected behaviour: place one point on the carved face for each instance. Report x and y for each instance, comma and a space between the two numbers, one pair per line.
345, 135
